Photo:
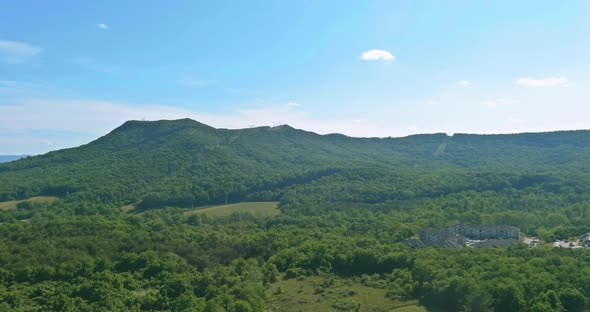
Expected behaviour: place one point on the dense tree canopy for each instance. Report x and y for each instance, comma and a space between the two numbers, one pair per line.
346, 204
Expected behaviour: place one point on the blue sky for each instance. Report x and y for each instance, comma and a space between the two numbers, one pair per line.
70, 71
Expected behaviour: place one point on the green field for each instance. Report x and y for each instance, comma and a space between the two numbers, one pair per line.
36, 199
308, 294
255, 208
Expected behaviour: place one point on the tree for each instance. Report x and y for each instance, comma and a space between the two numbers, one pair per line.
508, 297
401, 285
478, 301
572, 300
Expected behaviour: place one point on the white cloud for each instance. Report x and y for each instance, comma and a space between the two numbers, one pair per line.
464, 83
360, 120
375, 55
102, 26
542, 82
15, 52
293, 104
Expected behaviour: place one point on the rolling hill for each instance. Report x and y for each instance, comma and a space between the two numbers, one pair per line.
180, 216
186, 163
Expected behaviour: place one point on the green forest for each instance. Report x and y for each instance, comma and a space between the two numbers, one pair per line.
120, 226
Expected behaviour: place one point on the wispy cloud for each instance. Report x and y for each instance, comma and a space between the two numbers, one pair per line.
12, 89
464, 83
102, 26
8, 83
542, 82
489, 103
375, 55
98, 117
94, 65
496, 102
514, 120
15, 52
293, 104
196, 83
27, 122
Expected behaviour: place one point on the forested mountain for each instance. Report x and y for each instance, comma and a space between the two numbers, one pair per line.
184, 162
126, 233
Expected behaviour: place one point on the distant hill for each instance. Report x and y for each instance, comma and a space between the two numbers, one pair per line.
7, 158
187, 163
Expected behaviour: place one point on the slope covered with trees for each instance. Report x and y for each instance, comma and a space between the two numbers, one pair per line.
345, 206
184, 162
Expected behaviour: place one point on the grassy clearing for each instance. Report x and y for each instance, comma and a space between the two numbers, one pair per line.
36, 199
308, 294
255, 208
410, 308
128, 208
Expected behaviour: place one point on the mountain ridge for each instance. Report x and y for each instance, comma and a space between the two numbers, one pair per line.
181, 162
187, 123
188, 120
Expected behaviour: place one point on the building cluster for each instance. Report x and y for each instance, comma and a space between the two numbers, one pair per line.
462, 235
486, 231
582, 242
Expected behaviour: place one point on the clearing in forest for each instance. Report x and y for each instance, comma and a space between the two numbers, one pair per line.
317, 293
255, 208
37, 199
